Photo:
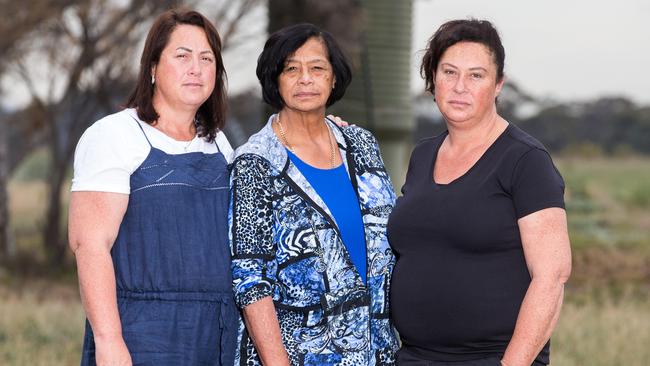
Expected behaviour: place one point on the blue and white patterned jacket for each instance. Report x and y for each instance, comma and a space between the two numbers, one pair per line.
286, 244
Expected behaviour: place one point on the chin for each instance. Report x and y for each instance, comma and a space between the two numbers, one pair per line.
457, 117
315, 107
196, 102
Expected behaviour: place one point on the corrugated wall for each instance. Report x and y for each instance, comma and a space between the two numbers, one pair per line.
380, 96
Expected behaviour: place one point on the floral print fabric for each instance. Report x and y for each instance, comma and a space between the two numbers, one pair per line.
286, 245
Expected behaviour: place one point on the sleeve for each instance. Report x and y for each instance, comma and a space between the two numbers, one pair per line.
536, 183
251, 230
105, 157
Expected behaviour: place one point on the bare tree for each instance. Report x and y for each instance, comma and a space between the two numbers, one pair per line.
82, 58
17, 22
88, 59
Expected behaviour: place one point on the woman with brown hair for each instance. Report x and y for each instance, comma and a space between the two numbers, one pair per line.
480, 233
148, 210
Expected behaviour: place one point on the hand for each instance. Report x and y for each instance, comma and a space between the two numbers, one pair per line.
112, 352
339, 122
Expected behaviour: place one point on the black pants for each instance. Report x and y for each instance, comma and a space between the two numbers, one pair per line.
404, 358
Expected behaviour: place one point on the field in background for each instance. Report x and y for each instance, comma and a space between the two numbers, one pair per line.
605, 320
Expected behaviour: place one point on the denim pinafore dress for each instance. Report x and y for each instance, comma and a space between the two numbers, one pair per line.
172, 263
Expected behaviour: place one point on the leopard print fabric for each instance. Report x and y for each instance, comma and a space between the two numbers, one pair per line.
285, 245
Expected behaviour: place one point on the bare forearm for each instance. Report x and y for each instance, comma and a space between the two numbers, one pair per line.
264, 329
538, 316
98, 294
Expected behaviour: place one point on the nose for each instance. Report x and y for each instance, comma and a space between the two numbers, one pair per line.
195, 67
305, 77
459, 85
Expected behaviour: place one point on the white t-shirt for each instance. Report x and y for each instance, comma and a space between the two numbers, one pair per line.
111, 149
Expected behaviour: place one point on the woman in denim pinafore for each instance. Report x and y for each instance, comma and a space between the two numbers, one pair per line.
172, 263
148, 211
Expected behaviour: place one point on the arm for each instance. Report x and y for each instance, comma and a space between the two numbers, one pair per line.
545, 240
264, 330
94, 221
253, 252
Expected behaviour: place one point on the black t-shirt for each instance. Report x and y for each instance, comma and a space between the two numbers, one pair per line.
461, 274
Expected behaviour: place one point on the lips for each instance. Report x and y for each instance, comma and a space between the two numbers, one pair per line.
458, 103
305, 94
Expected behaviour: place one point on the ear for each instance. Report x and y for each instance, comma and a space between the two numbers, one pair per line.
333, 82
500, 85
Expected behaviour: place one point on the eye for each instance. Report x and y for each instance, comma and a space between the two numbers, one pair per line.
290, 69
449, 72
182, 56
207, 59
476, 75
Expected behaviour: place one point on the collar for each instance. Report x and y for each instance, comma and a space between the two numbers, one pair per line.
267, 145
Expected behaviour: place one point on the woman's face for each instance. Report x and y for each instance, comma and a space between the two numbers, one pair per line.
307, 79
465, 83
185, 74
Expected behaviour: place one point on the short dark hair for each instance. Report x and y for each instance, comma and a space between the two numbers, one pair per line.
285, 42
211, 116
462, 30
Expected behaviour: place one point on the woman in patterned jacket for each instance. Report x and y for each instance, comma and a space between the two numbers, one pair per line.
309, 205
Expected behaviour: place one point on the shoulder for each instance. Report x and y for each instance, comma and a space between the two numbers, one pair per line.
249, 168
521, 142
427, 144
116, 126
253, 157
361, 139
263, 146
526, 155
107, 154
260, 143
117, 129
356, 133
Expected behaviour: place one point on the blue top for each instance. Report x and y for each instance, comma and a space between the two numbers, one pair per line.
335, 188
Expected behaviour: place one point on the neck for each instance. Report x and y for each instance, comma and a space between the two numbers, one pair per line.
303, 126
176, 123
470, 134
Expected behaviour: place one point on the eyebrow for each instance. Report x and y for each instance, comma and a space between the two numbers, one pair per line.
291, 59
190, 50
471, 68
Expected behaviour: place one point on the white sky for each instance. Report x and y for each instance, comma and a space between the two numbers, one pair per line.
565, 50
571, 49
559, 49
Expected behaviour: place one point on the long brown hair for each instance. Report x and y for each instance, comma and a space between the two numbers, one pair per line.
211, 115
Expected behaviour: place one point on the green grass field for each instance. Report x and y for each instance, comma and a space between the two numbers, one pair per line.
605, 320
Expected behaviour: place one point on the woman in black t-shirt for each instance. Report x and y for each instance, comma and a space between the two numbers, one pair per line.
480, 232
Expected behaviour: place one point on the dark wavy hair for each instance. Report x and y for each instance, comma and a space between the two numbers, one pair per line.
211, 116
462, 30
285, 42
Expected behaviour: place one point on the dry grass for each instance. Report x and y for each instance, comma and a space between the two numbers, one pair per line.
40, 324
597, 331
603, 322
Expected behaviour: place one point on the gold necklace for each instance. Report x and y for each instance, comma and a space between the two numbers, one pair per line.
286, 142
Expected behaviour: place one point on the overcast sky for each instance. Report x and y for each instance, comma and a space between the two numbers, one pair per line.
571, 49
565, 50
